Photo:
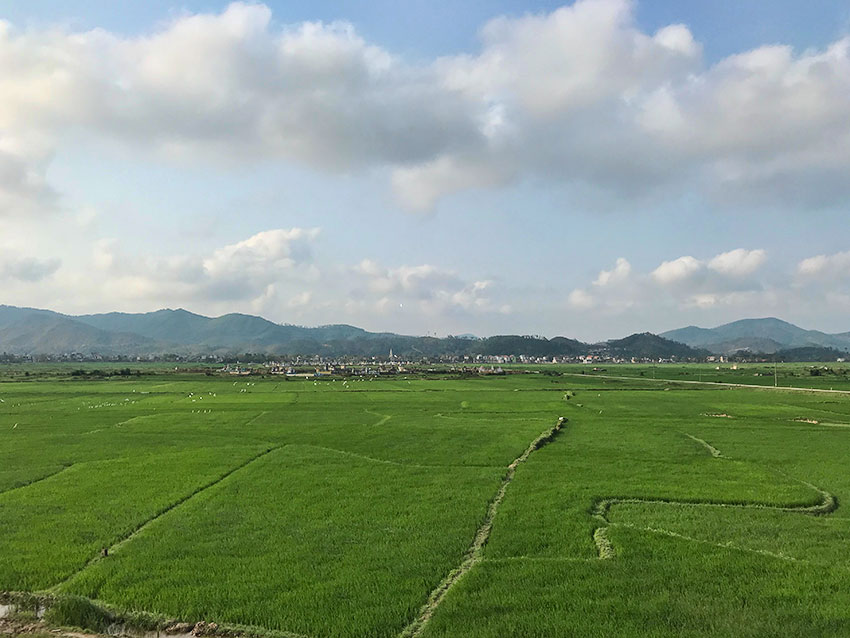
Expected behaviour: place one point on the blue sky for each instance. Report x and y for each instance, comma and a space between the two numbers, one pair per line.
590, 170
425, 28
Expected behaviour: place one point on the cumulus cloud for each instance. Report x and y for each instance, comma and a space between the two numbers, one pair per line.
738, 262
418, 282
230, 86
613, 288
430, 288
589, 98
677, 270
826, 266
579, 96
246, 271
276, 273
723, 270
618, 274
247, 264
681, 283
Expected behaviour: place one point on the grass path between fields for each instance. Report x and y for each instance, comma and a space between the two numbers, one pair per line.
162, 512
606, 550
474, 554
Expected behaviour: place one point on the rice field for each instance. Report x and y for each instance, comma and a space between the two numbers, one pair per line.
557, 502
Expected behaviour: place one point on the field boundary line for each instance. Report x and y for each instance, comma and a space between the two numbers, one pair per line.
600, 509
708, 383
539, 559
162, 512
708, 446
672, 534
383, 418
474, 554
387, 461
254, 418
355, 455
115, 425
38, 480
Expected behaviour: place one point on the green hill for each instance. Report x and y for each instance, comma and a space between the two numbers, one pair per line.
766, 335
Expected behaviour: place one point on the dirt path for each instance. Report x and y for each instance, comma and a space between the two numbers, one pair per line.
475, 552
13, 624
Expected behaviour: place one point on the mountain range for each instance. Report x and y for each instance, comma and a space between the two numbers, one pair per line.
30, 331
769, 335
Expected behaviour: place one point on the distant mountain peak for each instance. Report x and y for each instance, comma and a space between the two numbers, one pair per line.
764, 334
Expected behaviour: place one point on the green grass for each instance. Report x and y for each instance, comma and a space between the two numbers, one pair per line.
658, 586
330, 544
74, 611
331, 508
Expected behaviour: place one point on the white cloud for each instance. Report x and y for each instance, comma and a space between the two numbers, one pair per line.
429, 288
590, 99
618, 274
267, 251
420, 282
474, 297
581, 299
580, 96
738, 262
611, 288
677, 270
230, 86
813, 265
826, 266
676, 285
248, 270
273, 273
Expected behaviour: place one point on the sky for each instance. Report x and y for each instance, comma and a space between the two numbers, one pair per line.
591, 169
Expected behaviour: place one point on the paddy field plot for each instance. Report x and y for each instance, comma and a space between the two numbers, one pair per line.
424, 506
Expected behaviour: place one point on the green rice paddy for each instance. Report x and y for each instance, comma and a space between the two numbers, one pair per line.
413, 506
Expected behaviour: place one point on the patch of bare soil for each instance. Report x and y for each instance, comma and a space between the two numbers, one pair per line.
14, 626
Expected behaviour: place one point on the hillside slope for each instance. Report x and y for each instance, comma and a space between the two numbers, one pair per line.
757, 335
